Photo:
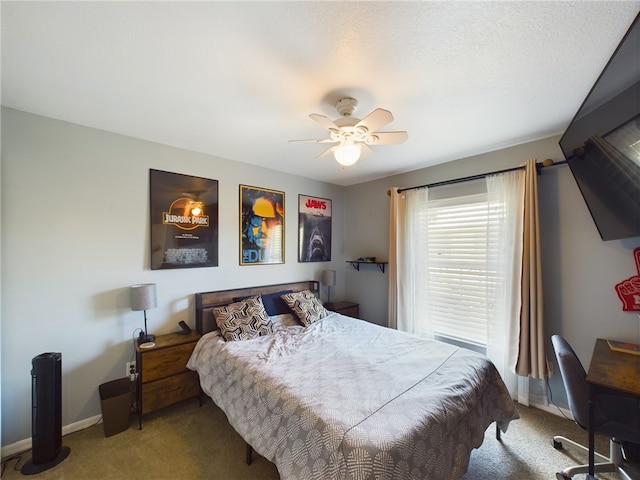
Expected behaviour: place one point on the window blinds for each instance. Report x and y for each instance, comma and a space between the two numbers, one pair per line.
458, 279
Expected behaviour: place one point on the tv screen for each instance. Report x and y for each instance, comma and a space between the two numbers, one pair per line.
602, 143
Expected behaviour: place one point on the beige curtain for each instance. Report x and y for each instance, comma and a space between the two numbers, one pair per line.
532, 359
405, 260
395, 216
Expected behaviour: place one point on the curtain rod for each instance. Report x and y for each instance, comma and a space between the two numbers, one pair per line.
545, 163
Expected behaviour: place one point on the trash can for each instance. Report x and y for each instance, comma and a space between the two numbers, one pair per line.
115, 401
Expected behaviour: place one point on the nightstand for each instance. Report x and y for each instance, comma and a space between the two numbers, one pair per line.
349, 309
163, 377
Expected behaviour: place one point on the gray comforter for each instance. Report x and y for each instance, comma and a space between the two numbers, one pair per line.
344, 398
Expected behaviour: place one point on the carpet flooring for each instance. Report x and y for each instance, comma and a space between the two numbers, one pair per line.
188, 441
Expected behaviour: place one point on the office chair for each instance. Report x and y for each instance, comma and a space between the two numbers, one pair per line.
616, 416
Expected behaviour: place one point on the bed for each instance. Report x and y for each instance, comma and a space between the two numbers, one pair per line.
343, 398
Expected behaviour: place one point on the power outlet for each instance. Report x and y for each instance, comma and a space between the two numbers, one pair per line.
131, 370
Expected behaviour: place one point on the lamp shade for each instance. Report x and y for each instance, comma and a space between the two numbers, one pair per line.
143, 296
329, 277
347, 154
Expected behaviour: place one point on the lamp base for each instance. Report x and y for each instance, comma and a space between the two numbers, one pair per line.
145, 338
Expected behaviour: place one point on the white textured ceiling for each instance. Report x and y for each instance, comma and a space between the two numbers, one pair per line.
239, 79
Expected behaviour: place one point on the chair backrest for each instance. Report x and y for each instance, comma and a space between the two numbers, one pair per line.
574, 378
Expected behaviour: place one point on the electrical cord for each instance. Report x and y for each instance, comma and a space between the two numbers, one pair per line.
16, 467
133, 377
135, 331
550, 398
18, 456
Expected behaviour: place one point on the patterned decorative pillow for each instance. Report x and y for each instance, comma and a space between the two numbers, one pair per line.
306, 306
243, 320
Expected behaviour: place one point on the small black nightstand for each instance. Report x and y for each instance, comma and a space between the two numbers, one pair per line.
349, 309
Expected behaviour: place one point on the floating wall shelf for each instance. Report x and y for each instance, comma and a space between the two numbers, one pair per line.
356, 264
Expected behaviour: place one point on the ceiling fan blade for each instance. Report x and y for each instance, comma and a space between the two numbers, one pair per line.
364, 150
376, 119
389, 138
324, 121
318, 140
328, 151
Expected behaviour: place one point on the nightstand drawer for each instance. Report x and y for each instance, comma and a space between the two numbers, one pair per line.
165, 362
167, 391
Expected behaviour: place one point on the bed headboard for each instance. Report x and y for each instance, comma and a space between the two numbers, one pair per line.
205, 301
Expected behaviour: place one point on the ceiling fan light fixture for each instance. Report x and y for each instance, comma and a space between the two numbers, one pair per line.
347, 154
352, 136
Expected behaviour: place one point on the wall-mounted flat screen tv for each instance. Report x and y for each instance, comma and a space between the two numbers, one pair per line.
602, 143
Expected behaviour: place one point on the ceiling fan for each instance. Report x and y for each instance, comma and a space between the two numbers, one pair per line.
353, 137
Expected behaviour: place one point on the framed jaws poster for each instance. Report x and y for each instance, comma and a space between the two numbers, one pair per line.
314, 229
184, 221
261, 226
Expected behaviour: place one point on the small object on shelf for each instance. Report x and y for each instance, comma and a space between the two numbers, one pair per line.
367, 259
624, 347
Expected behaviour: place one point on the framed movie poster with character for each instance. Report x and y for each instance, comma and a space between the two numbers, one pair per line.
314, 230
261, 226
184, 221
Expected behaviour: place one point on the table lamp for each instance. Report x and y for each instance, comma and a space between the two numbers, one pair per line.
143, 297
329, 279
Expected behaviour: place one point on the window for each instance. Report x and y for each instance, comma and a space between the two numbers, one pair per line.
459, 277
458, 269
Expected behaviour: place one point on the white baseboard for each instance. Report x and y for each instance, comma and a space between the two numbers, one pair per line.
558, 411
24, 445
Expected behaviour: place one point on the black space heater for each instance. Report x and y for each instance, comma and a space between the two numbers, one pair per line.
46, 414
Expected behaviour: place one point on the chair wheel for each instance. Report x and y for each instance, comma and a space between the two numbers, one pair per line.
562, 476
558, 446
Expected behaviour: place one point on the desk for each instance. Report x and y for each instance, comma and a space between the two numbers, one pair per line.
613, 371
